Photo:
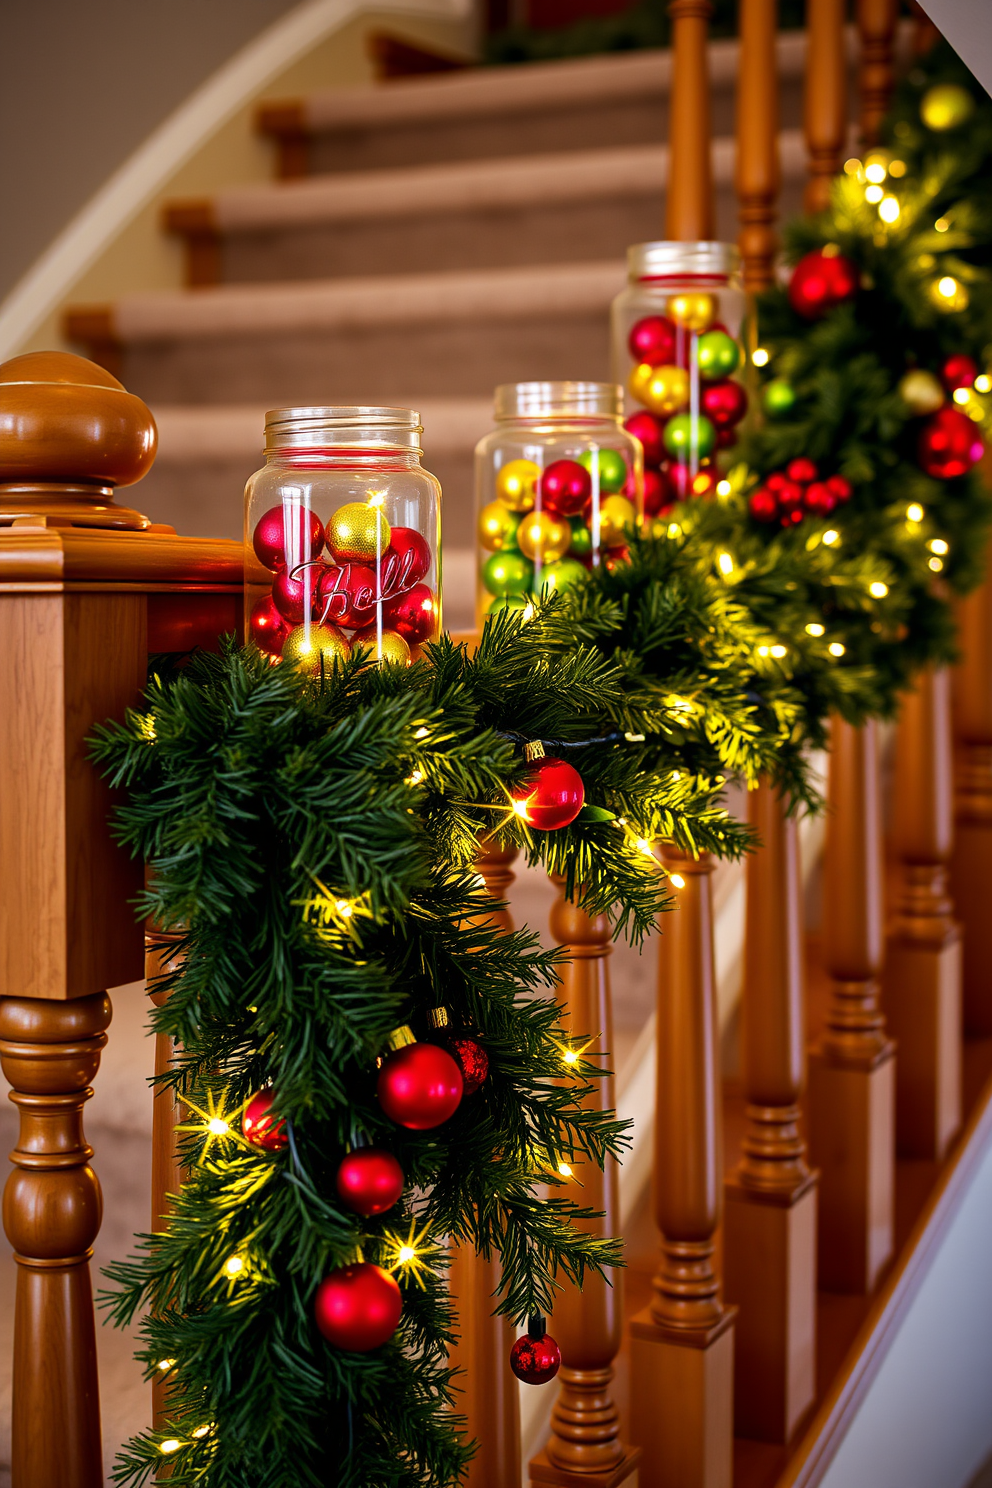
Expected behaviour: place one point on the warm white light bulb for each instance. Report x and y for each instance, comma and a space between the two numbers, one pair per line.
725, 564
875, 173
888, 209
170, 1446
564, 1170
676, 880
760, 357
836, 649
873, 194
217, 1127
406, 1255
938, 545
914, 513
234, 1265
831, 537
814, 629
878, 590
778, 652
947, 287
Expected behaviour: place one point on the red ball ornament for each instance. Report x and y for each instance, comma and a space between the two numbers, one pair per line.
551, 796
358, 1307
346, 596
535, 1358
652, 340
819, 499
802, 470
726, 438
419, 1086
724, 403
472, 1060
283, 527
414, 614
292, 596
959, 371
267, 627
406, 562
260, 1127
369, 1181
565, 488
949, 444
762, 505
649, 430
658, 492
841, 487
789, 494
820, 281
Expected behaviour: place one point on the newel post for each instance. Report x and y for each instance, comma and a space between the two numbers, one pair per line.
682, 1345
824, 113
971, 859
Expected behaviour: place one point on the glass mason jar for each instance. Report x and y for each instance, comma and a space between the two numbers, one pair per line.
557, 484
342, 537
677, 354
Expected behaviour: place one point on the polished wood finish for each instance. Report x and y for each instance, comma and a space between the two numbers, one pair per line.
50, 1052
851, 1103
971, 859
585, 1445
166, 1116
825, 100
682, 1345
689, 201
286, 124
196, 223
771, 1200
876, 30
921, 985
758, 174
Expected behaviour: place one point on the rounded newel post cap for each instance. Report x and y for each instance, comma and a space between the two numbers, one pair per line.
70, 433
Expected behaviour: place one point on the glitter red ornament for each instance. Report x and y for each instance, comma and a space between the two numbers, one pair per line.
267, 627
419, 1086
566, 486
724, 403
958, 371
653, 340
551, 796
369, 1181
472, 1059
650, 431
413, 614
358, 1307
949, 444
535, 1358
283, 527
407, 561
820, 281
260, 1127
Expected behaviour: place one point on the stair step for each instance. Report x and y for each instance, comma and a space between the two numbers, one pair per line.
485, 213
584, 103
357, 340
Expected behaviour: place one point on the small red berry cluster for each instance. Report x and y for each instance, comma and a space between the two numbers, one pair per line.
789, 495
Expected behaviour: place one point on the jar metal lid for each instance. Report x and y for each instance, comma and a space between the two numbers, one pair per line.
310, 428
673, 260
517, 400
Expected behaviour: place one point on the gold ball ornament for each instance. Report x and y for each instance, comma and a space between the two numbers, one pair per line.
695, 312
946, 106
667, 391
391, 650
497, 526
921, 391
313, 644
544, 537
516, 484
357, 532
616, 514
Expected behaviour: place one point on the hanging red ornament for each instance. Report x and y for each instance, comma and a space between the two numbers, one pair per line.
565, 487
724, 403
958, 371
292, 593
788, 494
473, 1061
267, 627
535, 1358
407, 561
819, 499
820, 281
287, 527
802, 470
369, 1181
658, 492
650, 431
260, 1126
652, 340
420, 1085
949, 444
685, 482
414, 614
346, 596
358, 1307
762, 505
841, 487
551, 796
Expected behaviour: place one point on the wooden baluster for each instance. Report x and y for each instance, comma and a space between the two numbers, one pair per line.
971, 860
486, 1390
682, 1346
825, 99
689, 202
877, 30
851, 1102
585, 1424
759, 175
921, 984
925, 33
770, 1229
52, 1206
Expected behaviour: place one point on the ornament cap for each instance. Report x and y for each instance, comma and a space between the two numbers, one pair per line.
438, 1017
534, 750
401, 1037
537, 1325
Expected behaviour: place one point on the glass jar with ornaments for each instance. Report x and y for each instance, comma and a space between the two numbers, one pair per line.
678, 356
559, 489
342, 538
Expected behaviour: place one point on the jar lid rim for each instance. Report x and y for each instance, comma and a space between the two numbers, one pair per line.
667, 256
562, 399
342, 414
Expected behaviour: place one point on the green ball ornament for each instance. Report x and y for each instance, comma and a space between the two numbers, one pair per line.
581, 544
779, 398
562, 575
508, 573
946, 106
507, 602
718, 355
612, 468
685, 436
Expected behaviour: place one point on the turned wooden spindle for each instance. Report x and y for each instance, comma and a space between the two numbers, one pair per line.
758, 175
770, 1226
825, 111
486, 1392
921, 985
682, 1345
971, 859
689, 201
52, 1207
851, 1103
876, 32
585, 1424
